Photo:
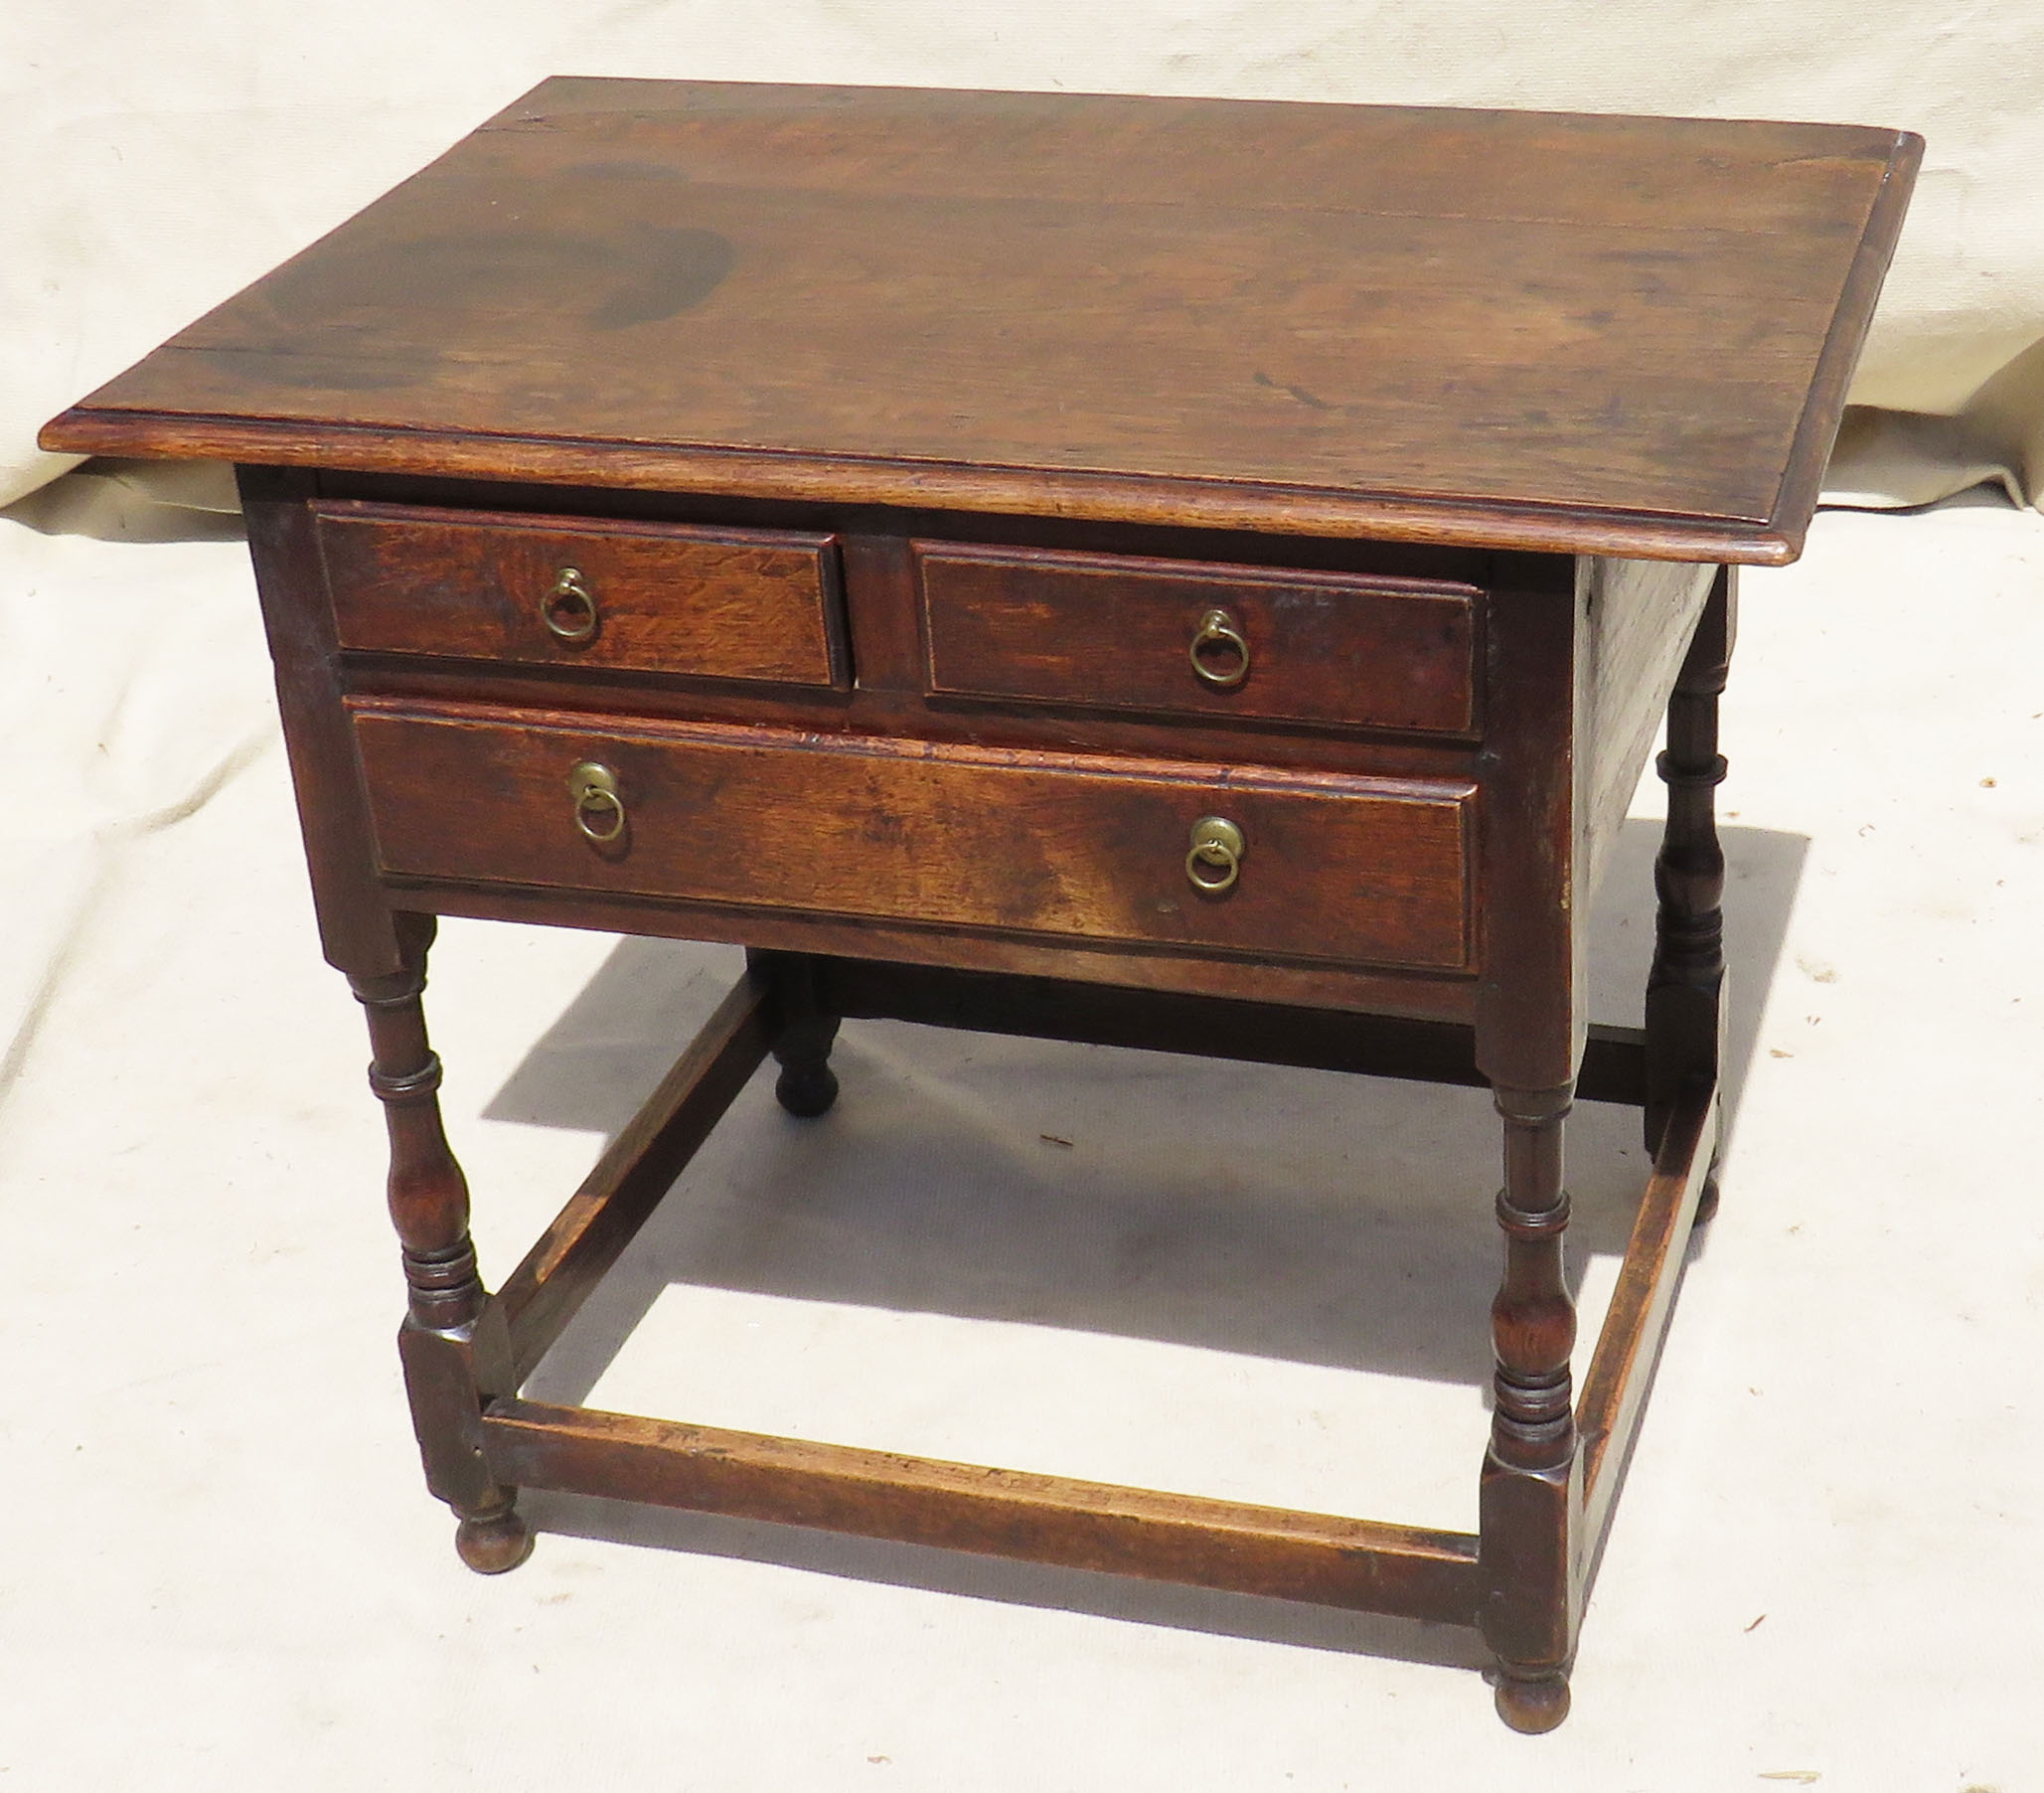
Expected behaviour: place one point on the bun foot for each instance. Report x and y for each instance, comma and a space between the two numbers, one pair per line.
494, 1543
1532, 1707
1706, 1202
806, 1089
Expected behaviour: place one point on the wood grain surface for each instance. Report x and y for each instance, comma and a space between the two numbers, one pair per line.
754, 604
1520, 329
1115, 632
1340, 870
1272, 1551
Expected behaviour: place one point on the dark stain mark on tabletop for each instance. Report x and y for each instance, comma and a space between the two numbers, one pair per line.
632, 273
1310, 399
666, 272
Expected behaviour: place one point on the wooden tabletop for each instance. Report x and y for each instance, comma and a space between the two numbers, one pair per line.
1535, 330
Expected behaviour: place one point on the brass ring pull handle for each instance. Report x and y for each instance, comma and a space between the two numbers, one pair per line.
569, 609
1219, 650
599, 810
1219, 850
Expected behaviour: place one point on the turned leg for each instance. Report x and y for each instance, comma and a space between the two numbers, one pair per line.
1686, 989
454, 1345
805, 1032
1531, 1491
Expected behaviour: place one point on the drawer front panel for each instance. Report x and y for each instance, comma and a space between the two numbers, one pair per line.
755, 604
1116, 632
1331, 868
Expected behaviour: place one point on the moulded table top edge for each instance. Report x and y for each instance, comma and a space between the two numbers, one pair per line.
849, 480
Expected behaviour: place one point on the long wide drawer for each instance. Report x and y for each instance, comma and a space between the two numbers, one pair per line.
1256, 644
1319, 867
648, 597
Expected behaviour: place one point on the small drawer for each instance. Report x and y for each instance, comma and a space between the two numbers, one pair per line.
1272, 645
1343, 870
708, 604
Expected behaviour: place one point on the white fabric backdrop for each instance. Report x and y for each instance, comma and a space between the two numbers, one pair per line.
216, 1511
158, 159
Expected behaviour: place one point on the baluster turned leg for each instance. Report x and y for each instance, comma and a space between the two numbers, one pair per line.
1686, 989
1531, 1491
806, 1086
454, 1345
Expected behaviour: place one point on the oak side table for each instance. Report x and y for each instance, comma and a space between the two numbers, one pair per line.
1185, 574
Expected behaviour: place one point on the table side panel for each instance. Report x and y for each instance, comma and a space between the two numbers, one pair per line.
1641, 615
